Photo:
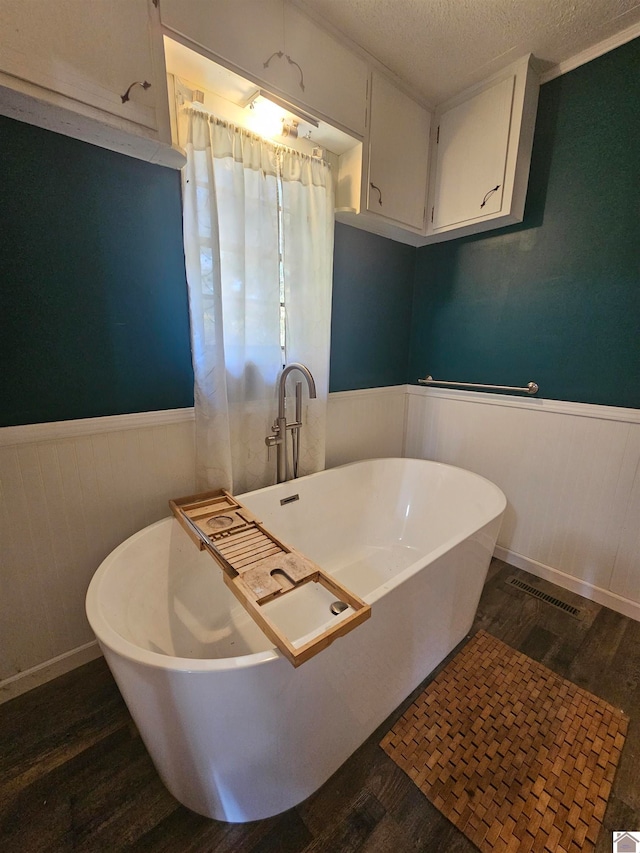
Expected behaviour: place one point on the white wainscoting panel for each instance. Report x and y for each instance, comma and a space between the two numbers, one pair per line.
365, 424
570, 474
65, 503
625, 580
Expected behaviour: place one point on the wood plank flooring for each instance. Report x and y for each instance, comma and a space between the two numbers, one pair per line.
74, 774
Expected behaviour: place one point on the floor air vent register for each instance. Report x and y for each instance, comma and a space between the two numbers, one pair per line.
543, 596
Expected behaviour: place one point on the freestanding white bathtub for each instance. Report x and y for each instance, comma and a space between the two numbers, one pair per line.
234, 730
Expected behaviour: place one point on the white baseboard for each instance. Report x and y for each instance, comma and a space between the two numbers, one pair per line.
37, 675
583, 588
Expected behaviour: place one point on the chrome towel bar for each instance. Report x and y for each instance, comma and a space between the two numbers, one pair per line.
529, 388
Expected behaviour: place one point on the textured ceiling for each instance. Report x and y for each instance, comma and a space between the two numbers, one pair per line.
440, 47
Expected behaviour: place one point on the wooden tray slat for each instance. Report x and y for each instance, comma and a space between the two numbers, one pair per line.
236, 550
256, 556
250, 562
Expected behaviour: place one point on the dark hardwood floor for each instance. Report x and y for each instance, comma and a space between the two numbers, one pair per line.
74, 774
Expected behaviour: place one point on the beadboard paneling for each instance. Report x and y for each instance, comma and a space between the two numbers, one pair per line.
365, 424
570, 474
625, 579
65, 503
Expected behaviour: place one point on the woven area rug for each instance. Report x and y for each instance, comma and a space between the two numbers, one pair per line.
516, 757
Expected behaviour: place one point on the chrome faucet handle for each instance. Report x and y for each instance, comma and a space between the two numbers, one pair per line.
270, 441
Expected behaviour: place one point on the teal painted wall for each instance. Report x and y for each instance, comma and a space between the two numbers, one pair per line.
555, 300
93, 304
371, 310
93, 301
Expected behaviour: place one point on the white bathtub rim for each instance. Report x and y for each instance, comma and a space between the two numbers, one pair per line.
113, 640
430, 463
117, 643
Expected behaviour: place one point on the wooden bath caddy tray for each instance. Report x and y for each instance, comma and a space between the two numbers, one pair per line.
257, 567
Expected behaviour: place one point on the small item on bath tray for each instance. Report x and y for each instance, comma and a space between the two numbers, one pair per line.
257, 567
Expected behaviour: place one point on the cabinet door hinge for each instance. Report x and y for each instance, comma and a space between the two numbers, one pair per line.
438, 135
366, 105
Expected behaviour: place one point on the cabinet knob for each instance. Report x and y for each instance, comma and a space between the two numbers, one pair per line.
489, 193
124, 98
374, 187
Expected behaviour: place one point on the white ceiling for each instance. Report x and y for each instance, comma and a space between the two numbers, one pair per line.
440, 47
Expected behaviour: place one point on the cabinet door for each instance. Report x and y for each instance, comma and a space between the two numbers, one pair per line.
481, 154
471, 149
89, 52
246, 33
398, 155
280, 49
334, 79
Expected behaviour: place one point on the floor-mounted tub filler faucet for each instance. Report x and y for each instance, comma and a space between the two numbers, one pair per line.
280, 425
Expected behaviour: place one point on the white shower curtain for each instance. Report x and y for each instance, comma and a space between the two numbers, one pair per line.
233, 184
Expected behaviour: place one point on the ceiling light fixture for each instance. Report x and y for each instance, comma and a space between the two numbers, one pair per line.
274, 117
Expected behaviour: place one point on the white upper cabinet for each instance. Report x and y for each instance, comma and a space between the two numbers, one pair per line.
94, 70
481, 150
472, 144
477, 161
278, 47
335, 79
245, 33
382, 184
398, 155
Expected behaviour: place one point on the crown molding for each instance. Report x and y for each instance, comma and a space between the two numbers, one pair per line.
591, 53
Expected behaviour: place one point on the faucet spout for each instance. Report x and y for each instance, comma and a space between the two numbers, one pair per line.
280, 427
282, 383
